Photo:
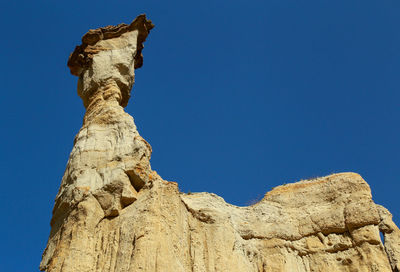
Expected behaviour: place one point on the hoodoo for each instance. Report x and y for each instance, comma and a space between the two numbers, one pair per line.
114, 213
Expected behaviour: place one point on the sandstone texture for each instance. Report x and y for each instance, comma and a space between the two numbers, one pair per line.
114, 213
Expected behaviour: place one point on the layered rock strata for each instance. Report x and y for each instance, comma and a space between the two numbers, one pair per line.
114, 213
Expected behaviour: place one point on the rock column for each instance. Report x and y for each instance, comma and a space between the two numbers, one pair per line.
113, 213
109, 163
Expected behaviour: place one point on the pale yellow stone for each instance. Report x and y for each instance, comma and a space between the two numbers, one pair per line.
114, 213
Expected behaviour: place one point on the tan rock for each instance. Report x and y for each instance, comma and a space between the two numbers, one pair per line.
391, 236
113, 213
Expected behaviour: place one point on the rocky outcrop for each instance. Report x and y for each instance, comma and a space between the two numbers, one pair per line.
109, 163
114, 213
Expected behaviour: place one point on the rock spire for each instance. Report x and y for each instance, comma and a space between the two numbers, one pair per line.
114, 213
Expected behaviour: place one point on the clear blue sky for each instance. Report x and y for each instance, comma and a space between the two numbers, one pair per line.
235, 97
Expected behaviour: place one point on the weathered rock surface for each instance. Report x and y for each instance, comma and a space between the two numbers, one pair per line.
114, 213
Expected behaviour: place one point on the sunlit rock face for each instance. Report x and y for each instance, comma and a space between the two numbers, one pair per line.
109, 163
114, 213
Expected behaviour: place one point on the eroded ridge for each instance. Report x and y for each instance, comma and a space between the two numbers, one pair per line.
328, 224
114, 213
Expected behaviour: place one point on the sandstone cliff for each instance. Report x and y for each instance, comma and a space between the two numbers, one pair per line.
114, 213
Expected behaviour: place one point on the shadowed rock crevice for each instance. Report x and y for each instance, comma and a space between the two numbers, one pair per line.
136, 179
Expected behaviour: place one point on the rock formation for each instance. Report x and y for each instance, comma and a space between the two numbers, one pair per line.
114, 213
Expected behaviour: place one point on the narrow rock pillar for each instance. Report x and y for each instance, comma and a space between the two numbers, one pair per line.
109, 163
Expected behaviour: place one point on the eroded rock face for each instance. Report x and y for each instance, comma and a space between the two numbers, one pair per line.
109, 163
114, 213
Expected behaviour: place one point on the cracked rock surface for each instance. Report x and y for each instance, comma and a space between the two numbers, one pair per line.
114, 213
